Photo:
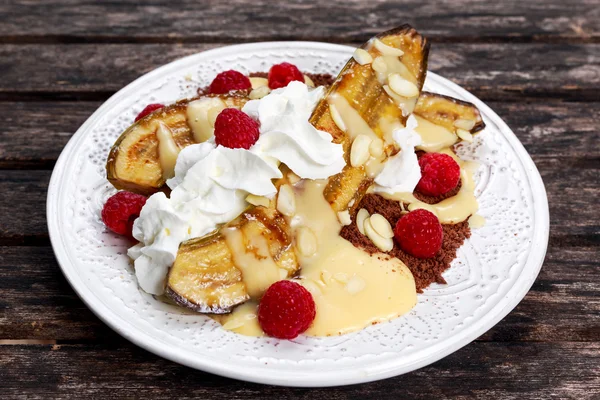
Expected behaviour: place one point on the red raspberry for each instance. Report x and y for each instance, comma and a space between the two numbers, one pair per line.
120, 210
286, 310
227, 81
282, 74
235, 129
419, 233
439, 174
150, 108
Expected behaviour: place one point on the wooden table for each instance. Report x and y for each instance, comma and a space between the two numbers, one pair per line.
537, 63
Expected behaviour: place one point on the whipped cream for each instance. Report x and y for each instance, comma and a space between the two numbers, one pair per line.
401, 172
288, 136
211, 182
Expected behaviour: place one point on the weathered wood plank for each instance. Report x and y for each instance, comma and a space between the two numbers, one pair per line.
337, 20
38, 303
480, 371
546, 128
491, 71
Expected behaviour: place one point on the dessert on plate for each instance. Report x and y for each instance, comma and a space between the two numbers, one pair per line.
283, 203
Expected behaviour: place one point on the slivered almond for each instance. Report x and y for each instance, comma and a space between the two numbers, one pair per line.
362, 57
355, 285
387, 50
286, 201
383, 244
379, 65
306, 241
402, 86
464, 135
341, 277
309, 82
359, 153
382, 226
337, 117
466, 124
344, 217
258, 200
361, 216
293, 178
376, 148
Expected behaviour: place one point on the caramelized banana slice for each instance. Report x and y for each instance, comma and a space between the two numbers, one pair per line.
363, 103
443, 121
204, 277
133, 162
363, 100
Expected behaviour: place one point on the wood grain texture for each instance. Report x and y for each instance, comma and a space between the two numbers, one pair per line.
38, 303
512, 371
491, 71
337, 20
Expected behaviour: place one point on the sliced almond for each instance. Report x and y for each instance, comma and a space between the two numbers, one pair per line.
308, 82
383, 244
376, 148
402, 86
344, 217
306, 242
382, 226
379, 65
259, 93
198, 119
355, 285
464, 135
466, 124
387, 50
286, 201
341, 277
257, 82
168, 150
325, 277
258, 200
293, 178
337, 117
351, 202
359, 153
233, 323
362, 57
361, 216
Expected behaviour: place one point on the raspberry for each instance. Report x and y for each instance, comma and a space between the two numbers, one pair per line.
150, 108
227, 81
120, 210
235, 129
439, 174
282, 74
286, 310
419, 233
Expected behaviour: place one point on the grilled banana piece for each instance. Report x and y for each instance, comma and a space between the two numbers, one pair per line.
443, 121
205, 277
364, 98
133, 162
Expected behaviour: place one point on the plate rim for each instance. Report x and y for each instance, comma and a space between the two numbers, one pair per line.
338, 376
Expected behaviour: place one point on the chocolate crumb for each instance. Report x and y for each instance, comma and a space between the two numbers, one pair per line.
425, 271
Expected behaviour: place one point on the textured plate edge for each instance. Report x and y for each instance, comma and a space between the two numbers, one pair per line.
343, 376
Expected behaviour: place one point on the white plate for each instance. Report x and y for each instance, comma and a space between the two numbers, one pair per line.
493, 272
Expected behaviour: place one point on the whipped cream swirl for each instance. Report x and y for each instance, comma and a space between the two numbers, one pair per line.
211, 182
401, 172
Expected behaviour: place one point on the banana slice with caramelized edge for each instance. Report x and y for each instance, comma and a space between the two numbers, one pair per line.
134, 162
204, 276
